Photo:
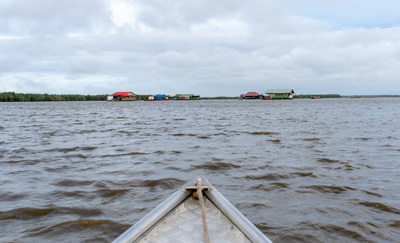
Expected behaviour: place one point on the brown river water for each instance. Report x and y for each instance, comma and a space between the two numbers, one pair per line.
323, 170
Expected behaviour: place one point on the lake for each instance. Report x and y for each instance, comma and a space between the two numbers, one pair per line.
301, 170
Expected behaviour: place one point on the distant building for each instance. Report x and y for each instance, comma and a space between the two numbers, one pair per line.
182, 97
161, 97
186, 97
121, 96
251, 96
279, 93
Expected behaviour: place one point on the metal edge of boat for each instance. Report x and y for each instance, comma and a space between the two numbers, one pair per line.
147, 222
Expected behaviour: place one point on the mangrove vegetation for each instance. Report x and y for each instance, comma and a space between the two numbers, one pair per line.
19, 97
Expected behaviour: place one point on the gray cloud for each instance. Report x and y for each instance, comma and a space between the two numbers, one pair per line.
49, 17
204, 47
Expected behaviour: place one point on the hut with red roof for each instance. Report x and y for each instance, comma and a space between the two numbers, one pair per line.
121, 96
251, 96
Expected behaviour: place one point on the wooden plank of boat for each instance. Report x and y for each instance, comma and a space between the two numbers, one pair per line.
197, 212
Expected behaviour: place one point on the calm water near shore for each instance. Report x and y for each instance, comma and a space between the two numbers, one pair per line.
302, 170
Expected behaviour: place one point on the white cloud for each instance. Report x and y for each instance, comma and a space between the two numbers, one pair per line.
124, 13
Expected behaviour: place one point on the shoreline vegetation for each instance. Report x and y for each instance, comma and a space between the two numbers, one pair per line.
21, 97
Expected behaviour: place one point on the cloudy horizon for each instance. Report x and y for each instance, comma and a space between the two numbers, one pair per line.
210, 48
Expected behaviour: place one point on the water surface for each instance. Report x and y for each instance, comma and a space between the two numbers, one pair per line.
301, 170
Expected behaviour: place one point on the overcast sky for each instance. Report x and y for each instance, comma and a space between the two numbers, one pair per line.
205, 47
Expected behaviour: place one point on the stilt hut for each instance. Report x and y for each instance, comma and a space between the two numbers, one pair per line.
186, 97
161, 97
122, 96
251, 96
279, 94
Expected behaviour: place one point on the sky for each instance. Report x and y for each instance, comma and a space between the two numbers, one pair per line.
205, 47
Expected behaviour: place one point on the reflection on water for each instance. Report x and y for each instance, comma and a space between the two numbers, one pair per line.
301, 170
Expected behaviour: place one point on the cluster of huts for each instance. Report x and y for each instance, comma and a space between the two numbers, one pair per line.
270, 94
130, 96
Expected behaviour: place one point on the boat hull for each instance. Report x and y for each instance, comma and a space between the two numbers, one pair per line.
179, 219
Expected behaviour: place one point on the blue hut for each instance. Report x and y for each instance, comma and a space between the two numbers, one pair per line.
161, 97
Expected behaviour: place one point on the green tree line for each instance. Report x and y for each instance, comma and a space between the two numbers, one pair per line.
19, 97
220, 98
308, 96
142, 97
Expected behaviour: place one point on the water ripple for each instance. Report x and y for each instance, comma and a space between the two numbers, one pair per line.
302, 171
